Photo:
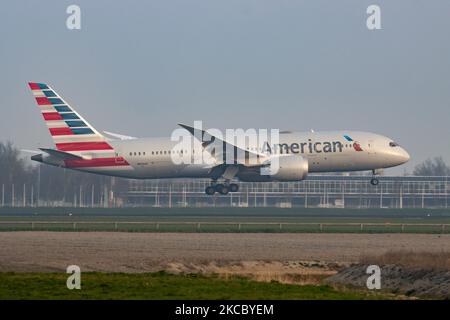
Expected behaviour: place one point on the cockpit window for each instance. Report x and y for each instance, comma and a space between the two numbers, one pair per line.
393, 144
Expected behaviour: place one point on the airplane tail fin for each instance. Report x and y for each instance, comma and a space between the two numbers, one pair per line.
69, 130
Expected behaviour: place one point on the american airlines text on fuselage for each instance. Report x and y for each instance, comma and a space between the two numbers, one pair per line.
304, 147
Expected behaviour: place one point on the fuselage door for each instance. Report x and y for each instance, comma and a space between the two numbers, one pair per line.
119, 159
371, 147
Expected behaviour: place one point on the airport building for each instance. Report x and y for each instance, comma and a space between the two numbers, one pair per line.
315, 191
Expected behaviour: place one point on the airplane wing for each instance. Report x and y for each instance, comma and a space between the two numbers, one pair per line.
222, 148
227, 154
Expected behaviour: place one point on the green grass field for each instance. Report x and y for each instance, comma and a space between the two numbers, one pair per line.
160, 285
225, 212
210, 219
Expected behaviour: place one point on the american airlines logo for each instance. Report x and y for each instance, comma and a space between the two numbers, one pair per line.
308, 147
305, 147
311, 147
355, 144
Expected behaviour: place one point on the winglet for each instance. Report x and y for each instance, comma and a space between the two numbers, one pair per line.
189, 128
200, 134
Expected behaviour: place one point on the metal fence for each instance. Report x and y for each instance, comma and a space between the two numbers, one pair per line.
315, 191
161, 226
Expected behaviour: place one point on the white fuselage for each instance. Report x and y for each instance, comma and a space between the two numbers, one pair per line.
150, 158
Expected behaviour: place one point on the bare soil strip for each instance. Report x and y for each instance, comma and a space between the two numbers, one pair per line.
266, 255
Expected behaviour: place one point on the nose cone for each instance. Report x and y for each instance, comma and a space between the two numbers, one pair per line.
402, 156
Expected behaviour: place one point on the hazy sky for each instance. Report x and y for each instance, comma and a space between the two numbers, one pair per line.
139, 67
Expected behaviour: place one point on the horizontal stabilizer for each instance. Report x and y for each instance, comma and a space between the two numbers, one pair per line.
61, 154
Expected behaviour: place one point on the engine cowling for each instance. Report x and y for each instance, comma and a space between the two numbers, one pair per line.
278, 168
288, 168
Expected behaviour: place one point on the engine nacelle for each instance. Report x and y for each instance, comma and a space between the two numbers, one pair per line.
278, 168
288, 168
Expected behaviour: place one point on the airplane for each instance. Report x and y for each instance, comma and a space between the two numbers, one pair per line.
79, 146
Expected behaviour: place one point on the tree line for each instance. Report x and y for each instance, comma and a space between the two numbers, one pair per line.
21, 181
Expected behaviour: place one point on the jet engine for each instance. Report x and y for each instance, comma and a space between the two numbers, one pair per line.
288, 168
278, 168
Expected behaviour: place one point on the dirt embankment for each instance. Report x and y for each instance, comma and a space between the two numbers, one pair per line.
421, 274
292, 272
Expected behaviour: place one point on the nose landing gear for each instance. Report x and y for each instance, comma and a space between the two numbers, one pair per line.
374, 181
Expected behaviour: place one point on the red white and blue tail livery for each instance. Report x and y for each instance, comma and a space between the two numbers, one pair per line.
73, 135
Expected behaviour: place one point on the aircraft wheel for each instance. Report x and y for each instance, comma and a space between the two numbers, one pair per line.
374, 181
222, 189
210, 190
234, 187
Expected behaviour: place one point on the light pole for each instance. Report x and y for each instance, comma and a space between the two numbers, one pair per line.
39, 185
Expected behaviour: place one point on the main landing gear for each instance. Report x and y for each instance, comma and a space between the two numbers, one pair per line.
222, 188
374, 181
